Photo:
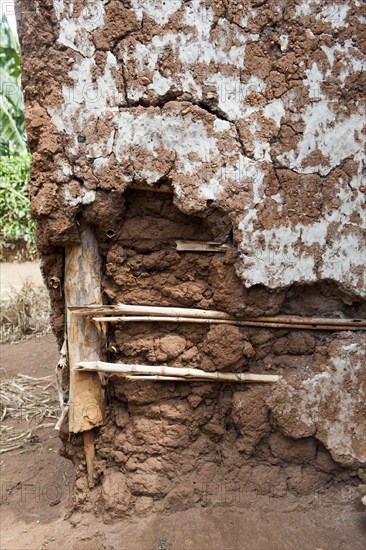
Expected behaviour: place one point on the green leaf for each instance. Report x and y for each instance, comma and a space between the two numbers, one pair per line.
10, 89
9, 131
12, 135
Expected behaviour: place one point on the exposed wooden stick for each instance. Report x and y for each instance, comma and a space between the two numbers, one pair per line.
89, 450
148, 310
312, 320
163, 188
62, 417
163, 370
236, 322
83, 287
200, 246
158, 377
156, 311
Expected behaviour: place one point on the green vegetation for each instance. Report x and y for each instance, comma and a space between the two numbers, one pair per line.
12, 137
17, 228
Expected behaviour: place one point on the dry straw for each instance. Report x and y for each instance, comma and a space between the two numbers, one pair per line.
24, 313
26, 403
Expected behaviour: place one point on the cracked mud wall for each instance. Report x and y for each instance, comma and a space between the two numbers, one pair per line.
253, 113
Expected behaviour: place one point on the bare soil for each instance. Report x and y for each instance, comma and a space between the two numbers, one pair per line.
14, 274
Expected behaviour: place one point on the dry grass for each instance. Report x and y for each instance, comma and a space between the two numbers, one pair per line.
24, 313
26, 403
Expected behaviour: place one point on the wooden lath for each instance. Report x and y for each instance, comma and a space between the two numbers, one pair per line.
137, 313
164, 372
200, 246
235, 322
162, 188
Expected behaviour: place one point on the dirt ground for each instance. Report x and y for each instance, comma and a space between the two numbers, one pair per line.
13, 275
36, 485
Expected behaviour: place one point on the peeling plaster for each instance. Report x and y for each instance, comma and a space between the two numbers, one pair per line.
335, 419
193, 145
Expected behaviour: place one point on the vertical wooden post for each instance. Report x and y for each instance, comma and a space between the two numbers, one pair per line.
83, 287
89, 455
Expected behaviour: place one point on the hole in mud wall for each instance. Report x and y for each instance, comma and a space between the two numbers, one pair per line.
143, 265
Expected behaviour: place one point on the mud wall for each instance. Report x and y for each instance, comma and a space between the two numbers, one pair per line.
252, 113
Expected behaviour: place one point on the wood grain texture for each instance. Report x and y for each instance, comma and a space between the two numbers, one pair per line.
83, 287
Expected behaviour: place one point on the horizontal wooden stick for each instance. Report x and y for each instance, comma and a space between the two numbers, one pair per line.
186, 379
235, 322
312, 320
163, 370
144, 187
280, 321
149, 310
159, 377
200, 246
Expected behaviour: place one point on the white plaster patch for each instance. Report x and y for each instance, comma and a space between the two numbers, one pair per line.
190, 85
155, 131
283, 42
160, 84
333, 136
285, 255
352, 59
232, 94
338, 387
75, 32
212, 191
88, 99
158, 10
275, 110
303, 9
86, 197
100, 164
335, 14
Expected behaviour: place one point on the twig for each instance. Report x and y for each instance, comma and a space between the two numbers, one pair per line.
236, 322
164, 370
200, 246
176, 314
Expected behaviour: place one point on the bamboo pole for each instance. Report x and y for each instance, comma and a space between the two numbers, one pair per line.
280, 321
157, 377
164, 370
236, 322
148, 310
312, 320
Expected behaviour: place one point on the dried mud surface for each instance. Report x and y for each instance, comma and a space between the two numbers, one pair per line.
253, 114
